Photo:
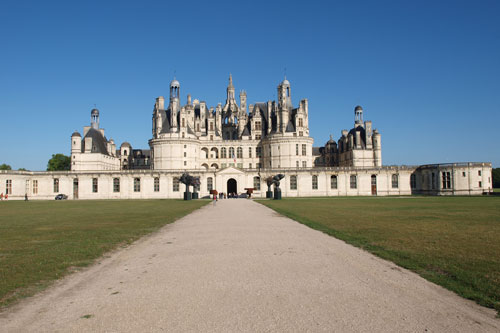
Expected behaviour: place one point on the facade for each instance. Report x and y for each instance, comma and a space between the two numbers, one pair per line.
236, 146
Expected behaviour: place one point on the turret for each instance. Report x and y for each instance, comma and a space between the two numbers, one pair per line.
284, 95
377, 148
76, 142
94, 119
230, 90
358, 116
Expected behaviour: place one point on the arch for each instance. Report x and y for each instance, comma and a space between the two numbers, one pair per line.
374, 184
205, 165
214, 165
232, 186
205, 150
333, 182
216, 151
223, 152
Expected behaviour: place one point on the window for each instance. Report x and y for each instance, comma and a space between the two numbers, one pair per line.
297, 163
35, 187
185, 163
259, 165
258, 126
157, 184
258, 137
249, 165
223, 165
293, 182
175, 185
354, 182
231, 152
301, 133
480, 184
256, 183
446, 180
413, 181
185, 155
210, 184
304, 150
433, 181
211, 126
56, 185
258, 151
463, 174
240, 165
297, 149
137, 184
8, 186
197, 127
211, 138
223, 152
250, 152
183, 122
116, 185
479, 172
301, 122
395, 181
27, 186
333, 182
314, 182
183, 135
94, 185
304, 164
239, 152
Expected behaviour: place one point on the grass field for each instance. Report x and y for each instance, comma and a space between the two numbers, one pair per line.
452, 241
43, 240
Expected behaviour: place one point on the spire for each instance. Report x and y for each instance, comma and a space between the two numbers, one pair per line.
230, 81
230, 90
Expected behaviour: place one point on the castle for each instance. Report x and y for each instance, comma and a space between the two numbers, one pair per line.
236, 146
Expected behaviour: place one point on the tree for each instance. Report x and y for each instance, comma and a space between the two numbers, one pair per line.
59, 162
5, 167
496, 177
22, 169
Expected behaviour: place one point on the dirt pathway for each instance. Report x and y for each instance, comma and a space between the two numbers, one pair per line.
239, 266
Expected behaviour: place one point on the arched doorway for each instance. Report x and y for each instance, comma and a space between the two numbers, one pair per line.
374, 185
232, 186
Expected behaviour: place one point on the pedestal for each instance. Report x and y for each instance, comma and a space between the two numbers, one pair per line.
269, 194
187, 195
277, 194
195, 195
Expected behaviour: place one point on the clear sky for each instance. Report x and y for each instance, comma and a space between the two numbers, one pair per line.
427, 73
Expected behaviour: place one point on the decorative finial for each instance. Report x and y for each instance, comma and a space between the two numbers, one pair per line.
230, 78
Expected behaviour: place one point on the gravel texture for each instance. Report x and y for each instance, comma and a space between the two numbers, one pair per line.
239, 266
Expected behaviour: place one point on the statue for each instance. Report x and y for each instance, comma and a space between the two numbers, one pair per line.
274, 180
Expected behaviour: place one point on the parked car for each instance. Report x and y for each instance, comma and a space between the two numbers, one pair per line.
61, 197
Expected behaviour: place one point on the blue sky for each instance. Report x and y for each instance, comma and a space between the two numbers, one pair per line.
427, 73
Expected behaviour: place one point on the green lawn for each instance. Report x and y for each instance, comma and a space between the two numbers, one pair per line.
452, 241
43, 240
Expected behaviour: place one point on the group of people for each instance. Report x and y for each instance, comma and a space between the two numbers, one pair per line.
2, 196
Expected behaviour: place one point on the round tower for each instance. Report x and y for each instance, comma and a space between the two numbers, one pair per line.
76, 144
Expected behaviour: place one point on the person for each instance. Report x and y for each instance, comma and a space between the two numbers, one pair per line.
6, 196
25, 196
215, 199
1, 196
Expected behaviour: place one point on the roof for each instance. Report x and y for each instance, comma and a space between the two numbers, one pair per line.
98, 142
75, 133
316, 151
125, 144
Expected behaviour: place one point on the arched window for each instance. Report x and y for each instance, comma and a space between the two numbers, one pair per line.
293, 182
223, 153
210, 184
175, 185
395, 181
157, 184
333, 182
314, 182
256, 183
239, 152
354, 182
137, 184
116, 185
231, 152
413, 181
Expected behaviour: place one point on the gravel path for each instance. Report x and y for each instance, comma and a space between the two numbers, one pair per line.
239, 266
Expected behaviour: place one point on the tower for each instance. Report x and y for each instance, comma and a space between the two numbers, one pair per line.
230, 90
284, 95
174, 90
94, 118
358, 116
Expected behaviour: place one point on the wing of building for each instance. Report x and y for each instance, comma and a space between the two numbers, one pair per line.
237, 146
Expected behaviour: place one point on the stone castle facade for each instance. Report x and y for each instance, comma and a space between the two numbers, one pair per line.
236, 146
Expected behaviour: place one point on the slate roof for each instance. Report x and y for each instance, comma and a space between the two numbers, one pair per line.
98, 142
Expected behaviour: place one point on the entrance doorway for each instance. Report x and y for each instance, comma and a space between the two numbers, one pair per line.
232, 186
374, 184
75, 188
